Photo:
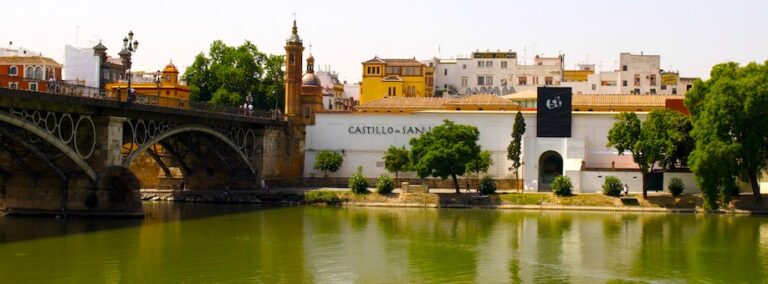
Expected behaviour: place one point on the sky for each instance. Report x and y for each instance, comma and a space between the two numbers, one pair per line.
690, 36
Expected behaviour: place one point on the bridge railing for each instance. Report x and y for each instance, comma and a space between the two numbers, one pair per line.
76, 90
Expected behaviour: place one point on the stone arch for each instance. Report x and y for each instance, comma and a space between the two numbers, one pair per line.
43, 134
550, 166
183, 129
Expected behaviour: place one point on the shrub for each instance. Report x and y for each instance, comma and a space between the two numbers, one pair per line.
328, 161
487, 185
385, 185
358, 184
318, 196
561, 186
676, 186
612, 186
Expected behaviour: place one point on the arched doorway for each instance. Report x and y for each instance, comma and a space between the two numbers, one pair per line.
550, 166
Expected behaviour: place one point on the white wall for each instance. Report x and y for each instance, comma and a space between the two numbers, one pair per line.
688, 181
339, 131
592, 181
81, 64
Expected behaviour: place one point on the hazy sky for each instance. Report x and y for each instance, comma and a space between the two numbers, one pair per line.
690, 36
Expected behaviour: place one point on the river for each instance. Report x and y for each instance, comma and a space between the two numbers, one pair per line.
246, 243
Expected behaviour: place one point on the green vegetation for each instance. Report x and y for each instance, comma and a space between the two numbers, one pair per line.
445, 151
729, 116
663, 138
514, 150
320, 196
328, 161
612, 186
228, 74
384, 184
676, 186
561, 186
526, 198
480, 164
487, 186
358, 183
396, 160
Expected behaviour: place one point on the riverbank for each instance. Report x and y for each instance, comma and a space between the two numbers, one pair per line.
656, 202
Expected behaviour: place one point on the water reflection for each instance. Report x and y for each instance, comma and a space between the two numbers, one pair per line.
214, 243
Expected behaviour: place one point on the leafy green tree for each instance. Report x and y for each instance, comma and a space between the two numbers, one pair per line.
480, 164
328, 161
228, 74
514, 150
445, 151
730, 126
396, 160
627, 135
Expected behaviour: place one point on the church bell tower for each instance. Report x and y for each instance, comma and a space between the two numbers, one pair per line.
294, 49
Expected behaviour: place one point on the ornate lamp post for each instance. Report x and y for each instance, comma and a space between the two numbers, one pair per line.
158, 77
129, 47
248, 105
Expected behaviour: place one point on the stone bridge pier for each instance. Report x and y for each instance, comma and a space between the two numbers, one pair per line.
68, 163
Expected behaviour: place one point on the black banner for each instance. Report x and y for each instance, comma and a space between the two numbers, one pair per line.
553, 112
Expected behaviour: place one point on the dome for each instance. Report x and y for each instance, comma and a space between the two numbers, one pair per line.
310, 79
170, 68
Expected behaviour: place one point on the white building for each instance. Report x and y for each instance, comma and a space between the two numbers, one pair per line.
494, 72
637, 74
81, 64
363, 138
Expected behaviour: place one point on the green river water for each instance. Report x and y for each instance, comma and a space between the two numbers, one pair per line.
193, 243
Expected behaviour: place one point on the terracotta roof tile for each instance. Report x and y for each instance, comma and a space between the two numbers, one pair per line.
5, 60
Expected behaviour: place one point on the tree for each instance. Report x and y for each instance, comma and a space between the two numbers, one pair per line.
729, 117
627, 135
514, 150
657, 140
445, 151
480, 164
396, 160
228, 74
328, 161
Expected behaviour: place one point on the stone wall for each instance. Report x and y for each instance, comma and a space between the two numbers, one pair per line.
507, 184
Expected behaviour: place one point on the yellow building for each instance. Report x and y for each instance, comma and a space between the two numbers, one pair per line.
395, 78
163, 89
576, 75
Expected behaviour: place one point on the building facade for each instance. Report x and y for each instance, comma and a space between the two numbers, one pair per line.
29, 72
395, 78
164, 90
494, 73
637, 74
92, 67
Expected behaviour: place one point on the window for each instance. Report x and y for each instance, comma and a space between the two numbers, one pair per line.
674, 91
688, 87
637, 80
412, 71
624, 68
503, 82
13, 71
480, 80
489, 64
652, 78
653, 91
410, 90
392, 70
522, 81
548, 81
464, 66
504, 64
30, 73
445, 72
13, 85
663, 87
480, 64
535, 80
624, 83
33, 86
607, 83
464, 81
489, 80
636, 91
293, 60
392, 91
594, 87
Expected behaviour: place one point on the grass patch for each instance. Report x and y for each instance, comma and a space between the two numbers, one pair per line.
324, 197
526, 198
588, 200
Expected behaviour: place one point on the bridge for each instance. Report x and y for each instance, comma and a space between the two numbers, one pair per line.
74, 151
